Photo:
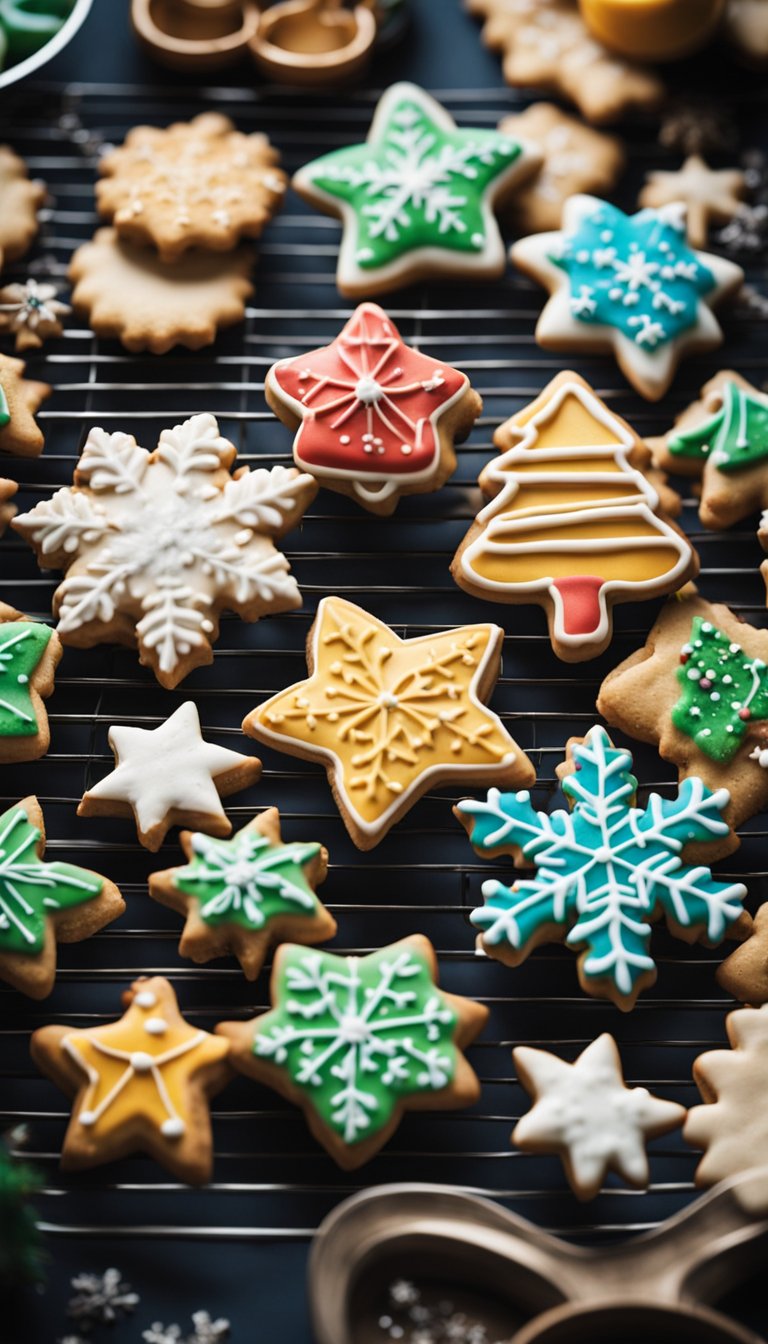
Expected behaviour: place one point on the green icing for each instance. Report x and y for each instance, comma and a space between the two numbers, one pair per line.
31, 889
724, 690
5, 413
247, 880
22, 645
356, 1034
416, 184
736, 436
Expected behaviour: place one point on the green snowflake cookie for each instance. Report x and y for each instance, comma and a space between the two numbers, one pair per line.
30, 889
247, 880
604, 870
22, 645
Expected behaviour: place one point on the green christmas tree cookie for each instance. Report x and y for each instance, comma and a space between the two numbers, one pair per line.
724, 691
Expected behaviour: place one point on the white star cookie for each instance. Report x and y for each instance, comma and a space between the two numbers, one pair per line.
169, 776
712, 195
585, 1112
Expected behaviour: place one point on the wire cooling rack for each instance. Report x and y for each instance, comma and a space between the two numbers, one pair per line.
271, 1184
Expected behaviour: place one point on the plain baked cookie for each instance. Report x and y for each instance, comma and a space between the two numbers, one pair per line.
390, 718
576, 158
20, 400
43, 903
20, 201
376, 419
141, 1084
241, 897
357, 1041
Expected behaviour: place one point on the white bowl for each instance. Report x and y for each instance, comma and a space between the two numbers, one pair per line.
46, 53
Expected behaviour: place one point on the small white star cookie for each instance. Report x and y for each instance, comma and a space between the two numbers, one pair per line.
712, 195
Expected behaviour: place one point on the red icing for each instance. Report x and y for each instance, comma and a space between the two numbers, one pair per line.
326, 383
580, 596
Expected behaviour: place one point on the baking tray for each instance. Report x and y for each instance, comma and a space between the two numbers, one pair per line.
242, 1241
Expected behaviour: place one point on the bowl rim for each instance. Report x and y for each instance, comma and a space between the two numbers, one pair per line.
46, 53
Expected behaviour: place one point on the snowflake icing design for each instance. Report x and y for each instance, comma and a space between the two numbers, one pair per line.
167, 539
359, 1033
635, 273
101, 1299
605, 869
30, 889
417, 182
248, 880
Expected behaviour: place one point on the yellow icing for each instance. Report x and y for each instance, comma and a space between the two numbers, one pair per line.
572, 424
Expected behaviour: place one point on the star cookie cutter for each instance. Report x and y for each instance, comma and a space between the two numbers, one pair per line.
195, 34
543, 1290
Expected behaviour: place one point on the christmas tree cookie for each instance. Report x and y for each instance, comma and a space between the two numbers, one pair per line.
357, 1041
376, 419
141, 1084
416, 200
573, 523
604, 870
42, 903
390, 718
698, 691
721, 440
245, 895
630, 284
29, 655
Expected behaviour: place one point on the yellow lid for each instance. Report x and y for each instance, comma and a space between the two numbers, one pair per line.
652, 30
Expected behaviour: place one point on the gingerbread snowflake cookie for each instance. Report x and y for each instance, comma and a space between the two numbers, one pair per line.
721, 439
586, 1113
243, 896
169, 776
732, 1125
391, 718
127, 293
357, 1041
576, 158
605, 870
712, 196
29, 655
141, 1084
43, 903
547, 45
20, 400
198, 184
699, 691
376, 419
417, 199
630, 284
156, 545
20, 201
31, 312
573, 522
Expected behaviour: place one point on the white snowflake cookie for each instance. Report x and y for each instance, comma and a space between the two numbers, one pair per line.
630, 284
156, 545
417, 198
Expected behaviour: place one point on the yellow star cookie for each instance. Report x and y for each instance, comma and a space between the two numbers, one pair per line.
20, 399
390, 717
713, 196
141, 1084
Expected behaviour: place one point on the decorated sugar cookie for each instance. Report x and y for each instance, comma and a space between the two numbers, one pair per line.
376, 419
586, 1113
141, 1084
573, 522
169, 776
605, 870
357, 1041
156, 545
31, 312
197, 184
417, 199
20, 400
732, 1125
547, 45
576, 158
722, 439
712, 196
630, 284
20, 200
43, 903
245, 895
391, 718
29, 655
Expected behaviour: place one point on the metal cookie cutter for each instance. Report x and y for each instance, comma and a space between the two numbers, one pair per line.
314, 42
541, 1290
195, 34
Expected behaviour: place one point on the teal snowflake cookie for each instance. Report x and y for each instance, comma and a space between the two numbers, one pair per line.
355, 1041
416, 200
245, 895
605, 870
40, 902
630, 283
29, 653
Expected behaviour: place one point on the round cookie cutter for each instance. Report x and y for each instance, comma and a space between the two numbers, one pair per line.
657, 1286
314, 42
195, 34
